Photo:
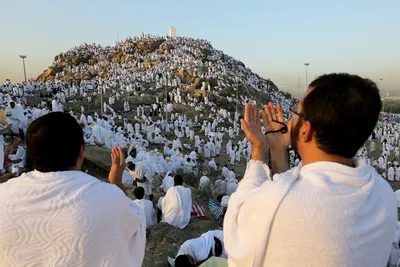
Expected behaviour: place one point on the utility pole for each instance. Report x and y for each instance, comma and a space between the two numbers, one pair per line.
237, 98
23, 62
384, 96
101, 100
306, 64
166, 96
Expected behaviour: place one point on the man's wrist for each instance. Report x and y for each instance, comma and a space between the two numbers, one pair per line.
258, 153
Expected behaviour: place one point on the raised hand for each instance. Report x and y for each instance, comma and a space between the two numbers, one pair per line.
275, 140
252, 127
117, 166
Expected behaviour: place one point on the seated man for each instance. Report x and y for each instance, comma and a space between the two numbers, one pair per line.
83, 221
143, 175
196, 251
167, 182
15, 154
176, 206
146, 205
15, 116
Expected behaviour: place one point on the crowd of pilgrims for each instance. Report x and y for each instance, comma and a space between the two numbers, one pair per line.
212, 133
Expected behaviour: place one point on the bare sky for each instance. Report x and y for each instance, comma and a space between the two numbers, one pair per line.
273, 38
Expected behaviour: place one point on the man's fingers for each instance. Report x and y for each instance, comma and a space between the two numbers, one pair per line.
255, 113
245, 127
247, 112
280, 113
265, 118
272, 110
267, 114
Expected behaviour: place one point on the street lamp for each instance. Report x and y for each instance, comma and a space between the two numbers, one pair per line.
23, 62
306, 64
237, 99
384, 95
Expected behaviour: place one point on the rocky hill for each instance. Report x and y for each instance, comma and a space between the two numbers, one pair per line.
191, 65
191, 61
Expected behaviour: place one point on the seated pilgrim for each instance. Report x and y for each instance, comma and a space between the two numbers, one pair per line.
80, 220
176, 206
167, 182
143, 175
196, 251
15, 154
146, 205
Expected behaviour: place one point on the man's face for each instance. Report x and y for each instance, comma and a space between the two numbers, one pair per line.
15, 143
12, 105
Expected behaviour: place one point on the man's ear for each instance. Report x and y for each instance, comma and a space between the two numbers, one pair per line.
306, 132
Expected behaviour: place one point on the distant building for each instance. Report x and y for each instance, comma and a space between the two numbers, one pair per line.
172, 32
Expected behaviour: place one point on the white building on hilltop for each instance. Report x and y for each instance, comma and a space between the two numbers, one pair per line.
172, 32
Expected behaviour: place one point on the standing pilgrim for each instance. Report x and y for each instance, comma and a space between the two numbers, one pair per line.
350, 196
116, 234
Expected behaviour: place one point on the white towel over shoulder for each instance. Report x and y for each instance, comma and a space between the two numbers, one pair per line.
324, 214
68, 219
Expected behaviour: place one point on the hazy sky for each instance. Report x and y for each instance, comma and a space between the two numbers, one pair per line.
273, 38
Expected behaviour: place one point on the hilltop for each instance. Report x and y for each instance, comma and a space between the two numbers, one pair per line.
198, 63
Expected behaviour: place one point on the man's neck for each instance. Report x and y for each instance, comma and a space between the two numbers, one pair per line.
321, 156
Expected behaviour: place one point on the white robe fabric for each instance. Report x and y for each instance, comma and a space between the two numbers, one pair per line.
318, 198
176, 206
148, 209
20, 154
199, 248
61, 219
167, 182
143, 170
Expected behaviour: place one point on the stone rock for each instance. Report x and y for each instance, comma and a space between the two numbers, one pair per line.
99, 156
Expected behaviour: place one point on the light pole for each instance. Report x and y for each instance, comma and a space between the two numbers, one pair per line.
306, 64
23, 62
101, 99
237, 97
166, 96
384, 95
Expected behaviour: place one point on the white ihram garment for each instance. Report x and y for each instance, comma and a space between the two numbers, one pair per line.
176, 206
68, 219
324, 214
148, 209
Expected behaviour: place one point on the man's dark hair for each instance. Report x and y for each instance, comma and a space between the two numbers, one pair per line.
183, 261
178, 180
139, 192
54, 142
343, 110
131, 166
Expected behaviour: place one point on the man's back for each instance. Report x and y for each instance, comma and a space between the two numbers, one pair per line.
68, 219
148, 209
177, 206
332, 215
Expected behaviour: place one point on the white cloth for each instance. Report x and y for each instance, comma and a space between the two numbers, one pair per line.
167, 182
142, 169
320, 197
20, 154
176, 206
64, 219
199, 248
148, 209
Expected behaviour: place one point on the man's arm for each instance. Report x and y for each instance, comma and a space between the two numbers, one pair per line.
6, 152
117, 168
279, 161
